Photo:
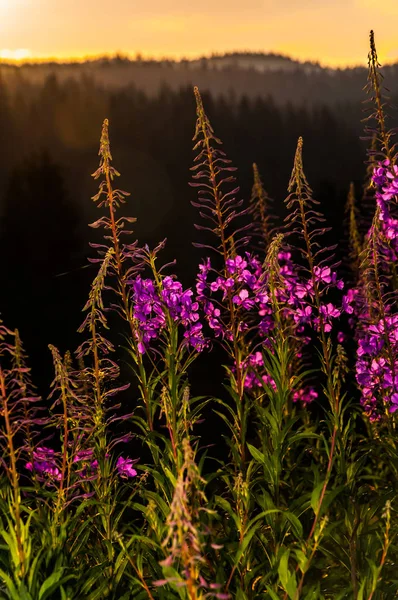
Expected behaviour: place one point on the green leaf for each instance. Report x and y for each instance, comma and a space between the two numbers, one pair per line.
283, 570
272, 594
295, 523
316, 493
170, 475
291, 586
245, 542
287, 579
301, 559
256, 454
361, 590
228, 509
50, 584
174, 577
24, 593
10, 585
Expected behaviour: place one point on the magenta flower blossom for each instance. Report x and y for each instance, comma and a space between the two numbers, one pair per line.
303, 315
253, 365
341, 337
328, 312
394, 402
377, 366
44, 464
125, 467
323, 274
305, 395
151, 307
385, 178
242, 299
83, 455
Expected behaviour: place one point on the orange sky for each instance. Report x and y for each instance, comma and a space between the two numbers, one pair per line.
334, 32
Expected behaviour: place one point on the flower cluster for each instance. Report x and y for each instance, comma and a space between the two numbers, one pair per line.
44, 464
247, 284
377, 367
306, 395
385, 179
46, 468
252, 365
88, 465
299, 295
152, 306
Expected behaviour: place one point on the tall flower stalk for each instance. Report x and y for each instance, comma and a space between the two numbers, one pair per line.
218, 206
305, 223
354, 236
123, 264
259, 208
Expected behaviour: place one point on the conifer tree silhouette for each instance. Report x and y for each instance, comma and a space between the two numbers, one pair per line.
38, 243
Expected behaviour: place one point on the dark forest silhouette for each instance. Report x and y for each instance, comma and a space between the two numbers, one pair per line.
231, 75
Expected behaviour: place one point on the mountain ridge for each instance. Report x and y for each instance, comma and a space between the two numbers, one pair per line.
234, 74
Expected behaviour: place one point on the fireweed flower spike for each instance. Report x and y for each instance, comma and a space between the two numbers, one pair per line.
304, 223
377, 354
124, 265
227, 232
354, 234
375, 123
212, 174
185, 539
18, 416
259, 208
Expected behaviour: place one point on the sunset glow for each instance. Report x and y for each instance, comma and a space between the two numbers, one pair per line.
333, 32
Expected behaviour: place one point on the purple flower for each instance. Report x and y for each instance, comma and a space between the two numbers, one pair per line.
303, 315
151, 307
235, 265
394, 402
242, 299
323, 274
349, 300
83, 455
341, 337
329, 311
305, 395
194, 336
377, 366
44, 463
385, 178
125, 467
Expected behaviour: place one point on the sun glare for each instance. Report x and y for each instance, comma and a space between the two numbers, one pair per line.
17, 54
